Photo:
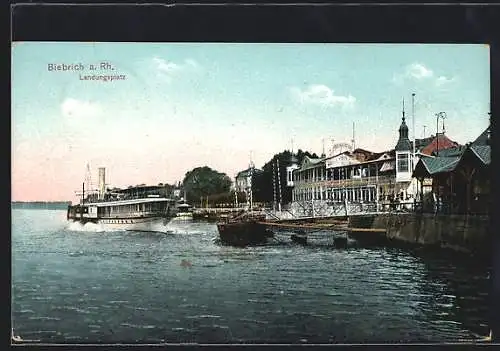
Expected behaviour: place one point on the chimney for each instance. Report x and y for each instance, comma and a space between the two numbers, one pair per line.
102, 182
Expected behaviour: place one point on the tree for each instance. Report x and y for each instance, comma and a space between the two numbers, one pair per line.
204, 181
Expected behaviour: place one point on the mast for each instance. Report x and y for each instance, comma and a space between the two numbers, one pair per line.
279, 183
413, 162
413, 124
274, 187
251, 185
83, 200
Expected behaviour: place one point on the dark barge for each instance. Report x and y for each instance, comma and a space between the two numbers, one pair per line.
244, 229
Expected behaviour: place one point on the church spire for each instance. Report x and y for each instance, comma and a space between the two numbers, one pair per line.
403, 141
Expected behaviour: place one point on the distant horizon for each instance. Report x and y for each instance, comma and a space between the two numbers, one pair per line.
44, 201
150, 112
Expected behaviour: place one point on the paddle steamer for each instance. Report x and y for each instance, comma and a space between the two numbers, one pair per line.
139, 208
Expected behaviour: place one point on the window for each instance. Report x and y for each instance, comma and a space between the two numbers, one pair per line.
356, 173
403, 162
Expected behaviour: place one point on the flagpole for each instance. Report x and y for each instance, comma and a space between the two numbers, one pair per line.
415, 189
413, 122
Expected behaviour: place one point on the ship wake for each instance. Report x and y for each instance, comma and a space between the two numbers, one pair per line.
87, 227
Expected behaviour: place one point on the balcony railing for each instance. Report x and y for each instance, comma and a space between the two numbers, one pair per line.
443, 207
346, 182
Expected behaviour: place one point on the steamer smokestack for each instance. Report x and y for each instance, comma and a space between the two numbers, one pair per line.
102, 182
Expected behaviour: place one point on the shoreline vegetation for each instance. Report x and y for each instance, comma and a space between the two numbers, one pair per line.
41, 205
207, 187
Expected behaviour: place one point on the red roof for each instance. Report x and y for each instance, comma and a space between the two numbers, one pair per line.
441, 141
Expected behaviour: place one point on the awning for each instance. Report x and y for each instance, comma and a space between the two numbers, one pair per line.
387, 166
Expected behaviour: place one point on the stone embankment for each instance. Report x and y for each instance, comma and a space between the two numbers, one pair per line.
466, 233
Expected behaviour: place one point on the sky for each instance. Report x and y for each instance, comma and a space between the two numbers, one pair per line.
172, 107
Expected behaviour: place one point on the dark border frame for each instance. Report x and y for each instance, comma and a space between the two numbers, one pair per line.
303, 23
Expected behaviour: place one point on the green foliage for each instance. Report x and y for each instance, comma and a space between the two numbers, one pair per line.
204, 181
263, 182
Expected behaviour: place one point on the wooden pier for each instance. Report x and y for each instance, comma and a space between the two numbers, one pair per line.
340, 231
321, 226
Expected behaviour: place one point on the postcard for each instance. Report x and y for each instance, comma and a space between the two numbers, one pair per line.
224, 193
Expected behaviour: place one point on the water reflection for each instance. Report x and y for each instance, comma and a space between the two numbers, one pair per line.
456, 292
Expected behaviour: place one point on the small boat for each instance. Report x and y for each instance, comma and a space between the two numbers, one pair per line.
246, 228
184, 211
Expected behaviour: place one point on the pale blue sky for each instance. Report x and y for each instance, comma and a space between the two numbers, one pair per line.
188, 105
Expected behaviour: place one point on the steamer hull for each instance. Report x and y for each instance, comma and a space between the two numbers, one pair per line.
151, 224
147, 214
138, 208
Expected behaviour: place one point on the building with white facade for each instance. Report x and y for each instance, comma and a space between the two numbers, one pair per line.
353, 181
244, 182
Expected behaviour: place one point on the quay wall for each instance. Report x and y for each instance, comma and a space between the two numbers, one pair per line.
466, 233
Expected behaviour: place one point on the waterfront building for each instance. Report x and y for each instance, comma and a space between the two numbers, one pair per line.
360, 180
289, 169
404, 157
459, 178
429, 147
244, 180
356, 179
437, 144
483, 138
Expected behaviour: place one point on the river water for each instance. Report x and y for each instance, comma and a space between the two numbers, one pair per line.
81, 285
